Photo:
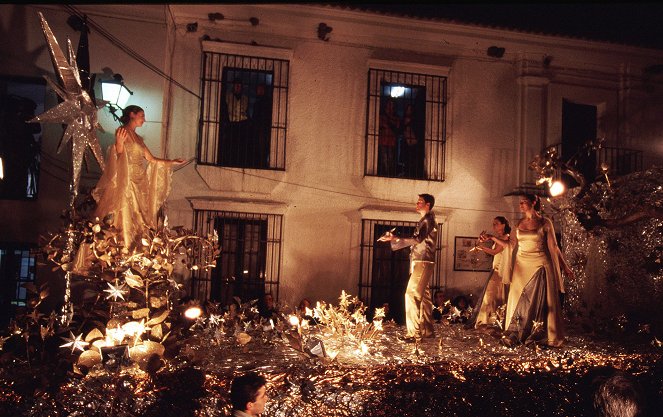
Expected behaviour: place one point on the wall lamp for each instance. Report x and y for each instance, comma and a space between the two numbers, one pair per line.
116, 94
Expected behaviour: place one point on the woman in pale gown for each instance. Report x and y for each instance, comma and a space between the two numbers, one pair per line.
130, 191
534, 311
493, 294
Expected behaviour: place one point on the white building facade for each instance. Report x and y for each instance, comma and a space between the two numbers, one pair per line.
299, 196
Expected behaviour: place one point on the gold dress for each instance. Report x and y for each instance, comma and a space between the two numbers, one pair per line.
533, 309
492, 296
132, 192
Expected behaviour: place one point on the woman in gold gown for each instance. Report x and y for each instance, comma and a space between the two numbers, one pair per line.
493, 294
534, 310
132, 192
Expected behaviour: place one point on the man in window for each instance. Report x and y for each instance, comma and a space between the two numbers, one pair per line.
389, 127
236, 135
418, 305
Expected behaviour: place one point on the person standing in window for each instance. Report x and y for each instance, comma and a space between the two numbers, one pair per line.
387, 138
410, 146
418, 304
234, 150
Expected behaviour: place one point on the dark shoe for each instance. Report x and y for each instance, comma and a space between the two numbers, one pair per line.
407, 339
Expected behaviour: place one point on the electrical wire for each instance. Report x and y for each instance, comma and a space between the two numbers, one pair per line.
125, 48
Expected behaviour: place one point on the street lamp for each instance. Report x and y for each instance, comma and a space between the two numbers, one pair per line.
116, 94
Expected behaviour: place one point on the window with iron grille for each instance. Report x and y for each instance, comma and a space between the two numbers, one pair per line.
17, 267
405, 125
249, 264
384, 273
244, 111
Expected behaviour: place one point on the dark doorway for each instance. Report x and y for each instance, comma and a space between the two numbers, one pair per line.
390, 272
240, 270
578, 127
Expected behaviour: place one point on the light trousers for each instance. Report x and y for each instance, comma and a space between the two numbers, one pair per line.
418, 304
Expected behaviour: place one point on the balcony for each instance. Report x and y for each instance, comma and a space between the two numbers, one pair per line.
620, 161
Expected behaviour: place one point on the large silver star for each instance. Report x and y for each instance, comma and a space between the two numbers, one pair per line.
77, 110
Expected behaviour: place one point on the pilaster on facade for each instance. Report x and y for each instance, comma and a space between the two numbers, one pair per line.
532, 107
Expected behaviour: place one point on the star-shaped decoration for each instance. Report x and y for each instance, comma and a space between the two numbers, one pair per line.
75, 342
3, 339
45, 331
77, 111
214, 319
14, 328
115, 292
344, 299
34, 316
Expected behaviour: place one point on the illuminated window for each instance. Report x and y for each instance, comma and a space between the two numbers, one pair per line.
406, 125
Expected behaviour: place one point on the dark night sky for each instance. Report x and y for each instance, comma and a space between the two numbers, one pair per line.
638, 24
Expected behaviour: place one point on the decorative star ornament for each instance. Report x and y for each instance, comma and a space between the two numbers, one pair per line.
115, 292
77, 111
3, 339
75, 342
214, 319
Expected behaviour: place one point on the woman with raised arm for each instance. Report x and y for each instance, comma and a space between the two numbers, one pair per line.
493, 294
132, 192
534, 310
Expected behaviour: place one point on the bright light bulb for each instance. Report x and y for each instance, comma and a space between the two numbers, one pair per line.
397, 91
193, 313
557, 188
294, 321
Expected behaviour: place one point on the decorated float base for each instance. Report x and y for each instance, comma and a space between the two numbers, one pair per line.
459, 372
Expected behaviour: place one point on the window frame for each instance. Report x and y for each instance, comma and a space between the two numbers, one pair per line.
20, 296
216, 58
436, 85
205, 222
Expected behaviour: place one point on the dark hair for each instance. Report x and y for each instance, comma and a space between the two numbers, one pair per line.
126, 113
428, 199
303, 301
535, 200
505, 222
617, 396
244, 389
458, 299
